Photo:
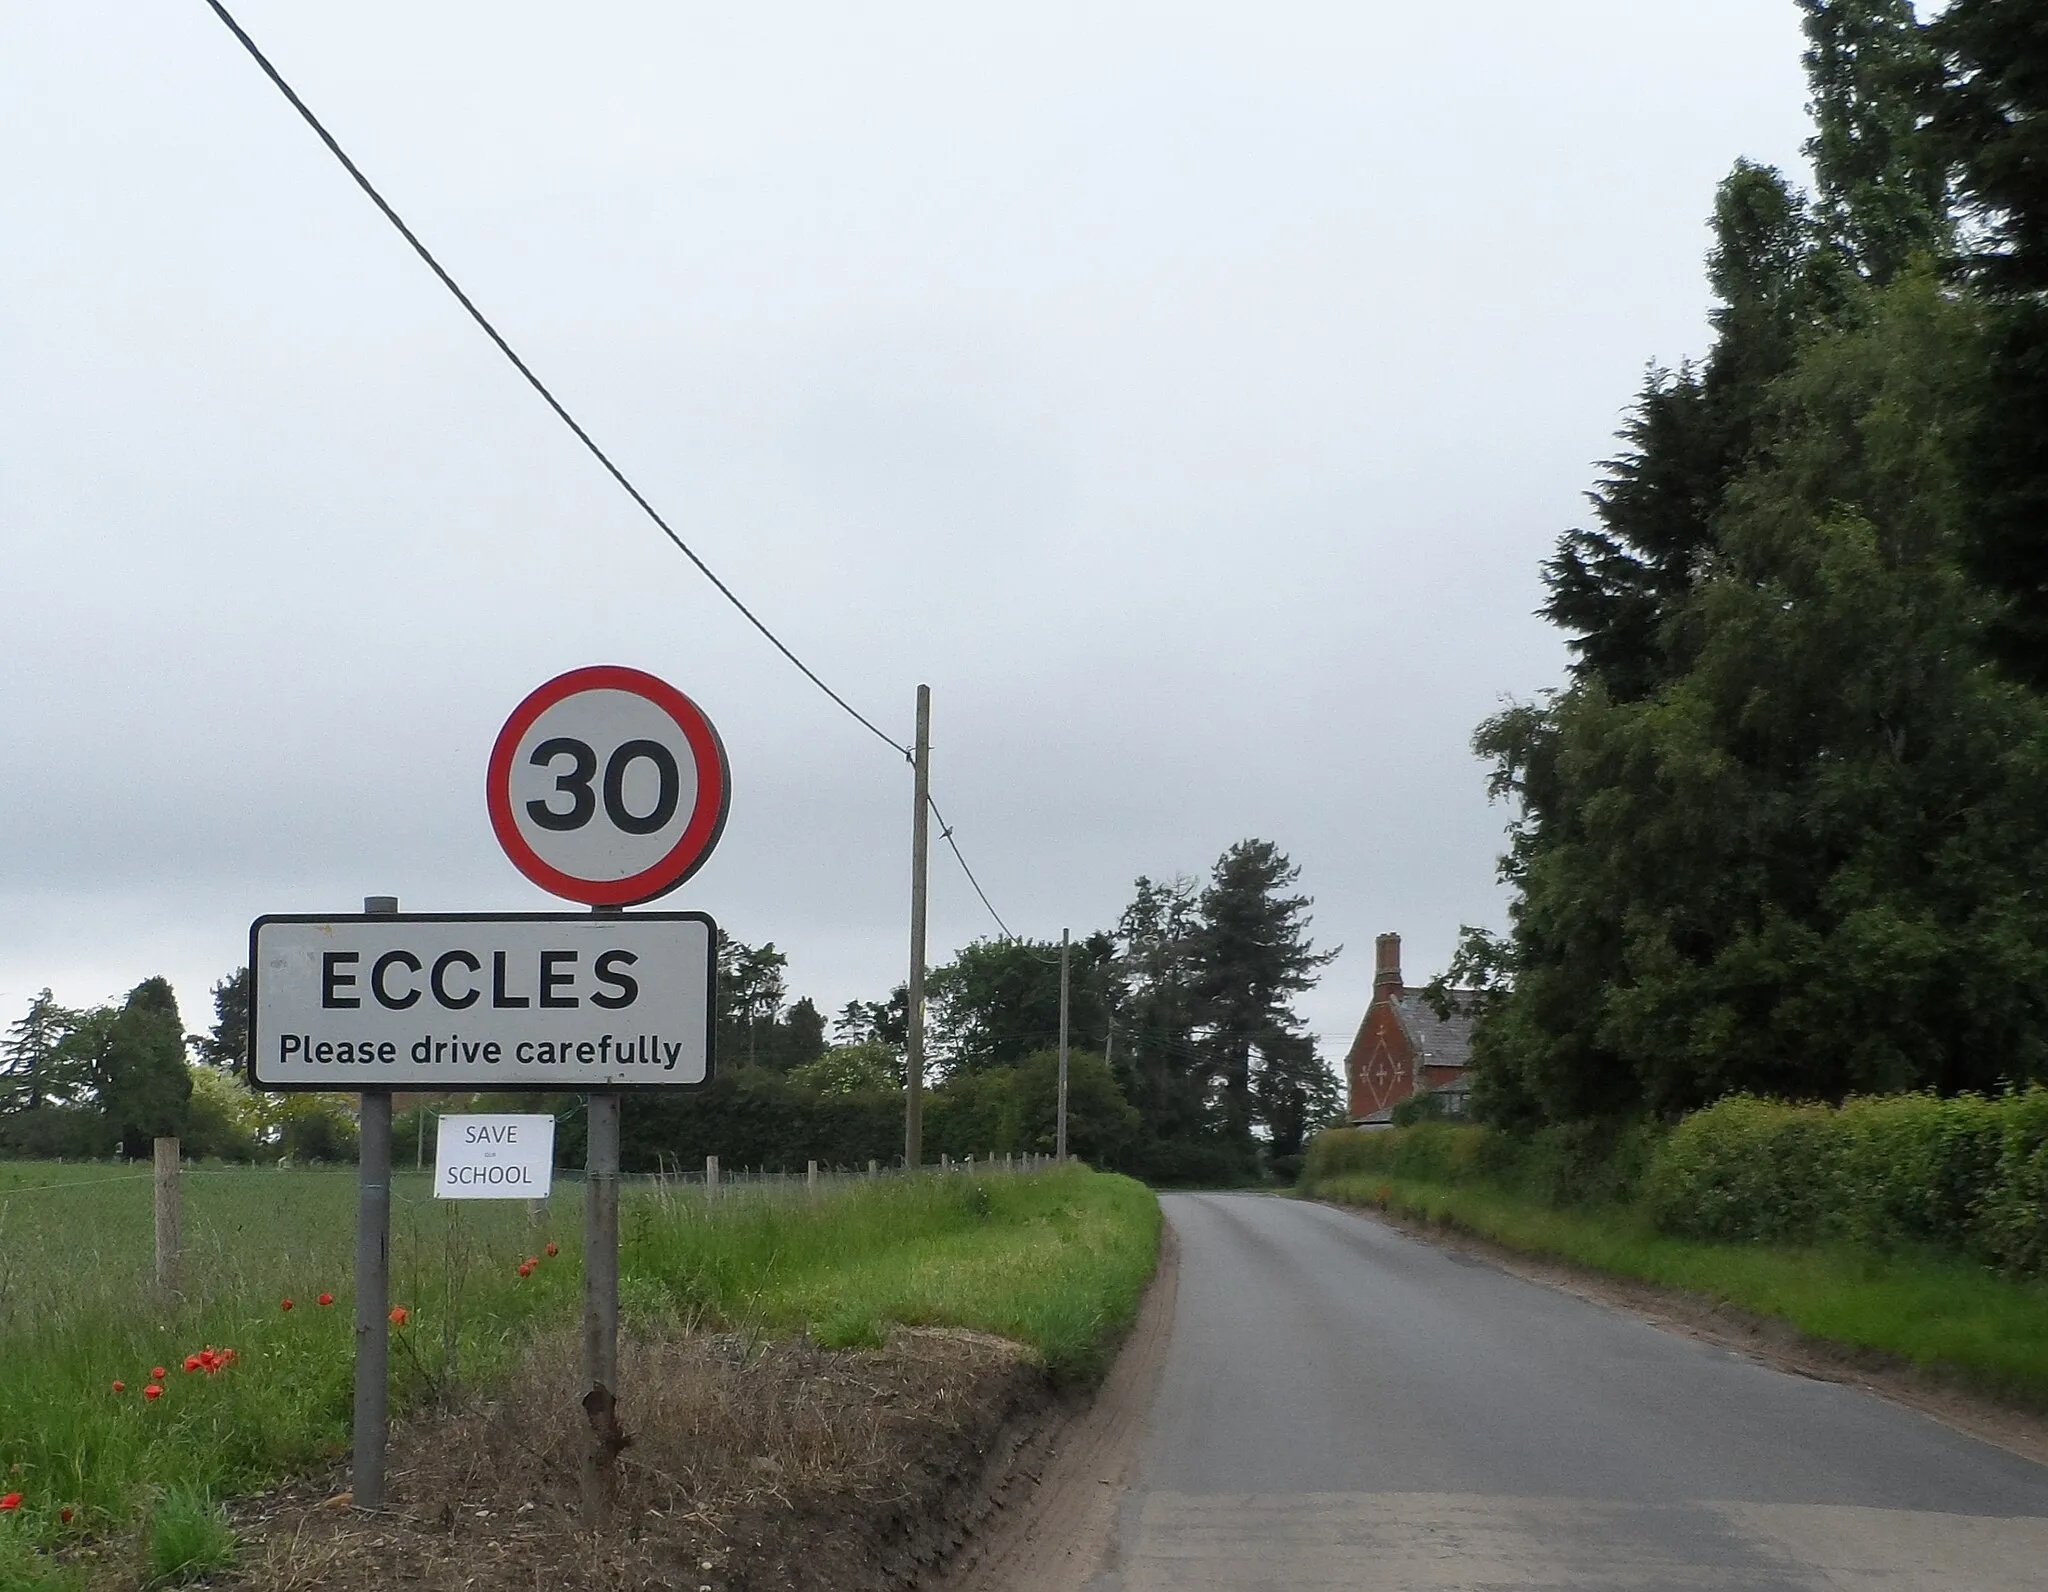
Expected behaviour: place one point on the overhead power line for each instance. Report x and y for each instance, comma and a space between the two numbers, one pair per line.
539, 386
946, 833
576, 428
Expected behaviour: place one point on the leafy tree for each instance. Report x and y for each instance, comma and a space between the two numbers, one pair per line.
997, 1001
1295, 1093
33, 1070
1878, 166
1102, 1127
1811, 864
880, 1022
313, 1128
974, 1113
227, 1045
866, 1068
751, 990
224, 1120
1252, 956
1790, 843
140, 1078
754, 1026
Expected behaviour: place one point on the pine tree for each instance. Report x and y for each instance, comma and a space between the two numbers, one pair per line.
1879, 171
141, 1081
32, 1058
1252, 956
1618, 588
1991, 115
227, 1046
751, 990
1159, 1063
1794, 845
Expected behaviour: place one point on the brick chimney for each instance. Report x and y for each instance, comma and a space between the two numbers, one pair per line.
1386, 970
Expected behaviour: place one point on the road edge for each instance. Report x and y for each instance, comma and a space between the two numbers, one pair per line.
1052, 1516
1766, 1339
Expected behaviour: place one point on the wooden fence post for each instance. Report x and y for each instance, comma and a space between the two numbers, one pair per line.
711, 1177
168, 1225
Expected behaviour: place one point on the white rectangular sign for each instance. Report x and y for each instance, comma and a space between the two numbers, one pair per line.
494, 1157
472, 1002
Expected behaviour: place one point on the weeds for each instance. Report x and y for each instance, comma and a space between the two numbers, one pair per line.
188, 1537
1056, 1261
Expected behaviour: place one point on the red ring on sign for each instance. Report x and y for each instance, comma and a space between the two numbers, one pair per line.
700, 834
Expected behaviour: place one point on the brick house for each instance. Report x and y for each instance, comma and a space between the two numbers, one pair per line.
1403, 1047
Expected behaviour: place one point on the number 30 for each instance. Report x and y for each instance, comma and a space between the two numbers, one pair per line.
575, 784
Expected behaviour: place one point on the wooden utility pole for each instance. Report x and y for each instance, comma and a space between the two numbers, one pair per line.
1060, 1143
373, 1279
920, 835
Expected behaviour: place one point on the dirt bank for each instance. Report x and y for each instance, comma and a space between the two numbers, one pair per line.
1052, 1523
753, 1466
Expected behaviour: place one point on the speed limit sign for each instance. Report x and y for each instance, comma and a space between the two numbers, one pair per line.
608, 786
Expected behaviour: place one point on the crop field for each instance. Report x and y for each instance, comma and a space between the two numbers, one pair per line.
252, 1363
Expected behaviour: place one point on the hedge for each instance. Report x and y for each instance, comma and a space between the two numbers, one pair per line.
1966, 1174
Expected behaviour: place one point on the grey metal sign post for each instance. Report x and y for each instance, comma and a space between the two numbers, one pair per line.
372, 1422
608, 787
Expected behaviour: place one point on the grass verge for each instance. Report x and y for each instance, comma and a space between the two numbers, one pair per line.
1943, 1315
1057, 1261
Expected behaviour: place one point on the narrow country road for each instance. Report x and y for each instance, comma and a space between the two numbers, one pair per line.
1345, 1407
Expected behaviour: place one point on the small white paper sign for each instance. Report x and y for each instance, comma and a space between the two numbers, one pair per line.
494, 1157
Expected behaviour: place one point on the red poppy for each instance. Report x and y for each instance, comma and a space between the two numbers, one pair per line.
153, 1391
191, 1363
400, 1315
64, 1514
526, 1270
157, 1374
326, 1299
284, 1304
120, 1387
554, 1249
11, 1501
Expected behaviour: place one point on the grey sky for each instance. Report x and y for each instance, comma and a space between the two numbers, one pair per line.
1187, 392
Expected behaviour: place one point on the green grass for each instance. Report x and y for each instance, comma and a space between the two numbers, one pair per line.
1056, 1260
188, 1537
1937, 1312
78, 1313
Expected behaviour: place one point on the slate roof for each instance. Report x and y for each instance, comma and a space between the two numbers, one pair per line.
1437, 1041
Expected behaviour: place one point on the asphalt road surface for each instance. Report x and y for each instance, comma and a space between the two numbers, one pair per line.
1342, 1406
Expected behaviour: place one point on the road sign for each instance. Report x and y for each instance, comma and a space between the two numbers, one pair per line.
608, 786
493, 1157
469, 1002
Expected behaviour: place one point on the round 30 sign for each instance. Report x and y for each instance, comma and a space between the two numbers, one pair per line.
608, 787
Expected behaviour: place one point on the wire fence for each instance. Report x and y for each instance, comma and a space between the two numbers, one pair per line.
112, 1235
